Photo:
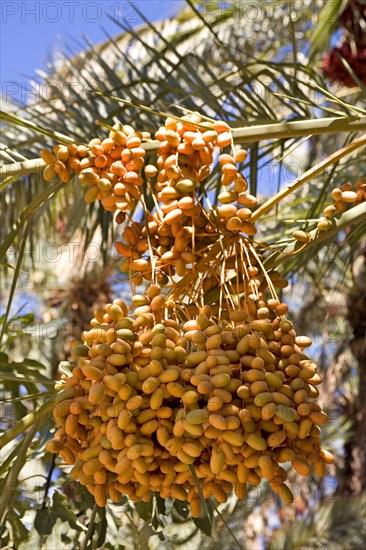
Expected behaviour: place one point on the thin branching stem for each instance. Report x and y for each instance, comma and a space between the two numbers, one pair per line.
89, 532
226, 525
48, 481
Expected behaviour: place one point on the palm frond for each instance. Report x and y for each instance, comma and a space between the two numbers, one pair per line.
338, 524
327, 22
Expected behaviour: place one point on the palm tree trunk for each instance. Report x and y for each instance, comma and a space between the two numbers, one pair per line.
354, 475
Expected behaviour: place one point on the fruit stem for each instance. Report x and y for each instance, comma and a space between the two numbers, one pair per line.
26, 422
20, 169
351, 217
308, 175
226, 525
89, 533
299, 128
204, 502
248, 134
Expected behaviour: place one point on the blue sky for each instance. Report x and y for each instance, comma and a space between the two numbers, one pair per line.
32, 30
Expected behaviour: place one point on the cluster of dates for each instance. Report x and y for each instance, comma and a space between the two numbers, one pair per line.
153, 401
172, 392
175, 235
